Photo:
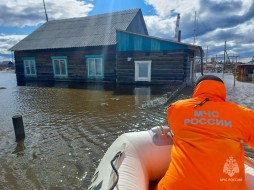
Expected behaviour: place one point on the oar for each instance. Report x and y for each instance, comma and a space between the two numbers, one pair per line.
249, 161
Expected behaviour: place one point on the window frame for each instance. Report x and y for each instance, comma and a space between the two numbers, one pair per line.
30, 61
95, 57
137, 77
59, 59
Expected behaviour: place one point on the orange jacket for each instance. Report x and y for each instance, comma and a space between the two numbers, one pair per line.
208, 132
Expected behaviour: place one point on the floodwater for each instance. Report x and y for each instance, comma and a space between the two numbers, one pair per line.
69, 129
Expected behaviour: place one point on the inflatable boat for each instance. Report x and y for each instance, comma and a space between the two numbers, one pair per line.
129, 163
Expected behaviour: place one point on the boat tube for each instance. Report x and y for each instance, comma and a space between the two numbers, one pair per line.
137, 158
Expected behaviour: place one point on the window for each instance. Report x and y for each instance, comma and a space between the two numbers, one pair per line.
143, 71
95, 66
60, 66
29, 67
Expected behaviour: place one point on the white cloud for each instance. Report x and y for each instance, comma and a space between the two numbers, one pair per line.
21, 13
217, 21
160, 27
165, 8
239, 38
31, 12
7, 41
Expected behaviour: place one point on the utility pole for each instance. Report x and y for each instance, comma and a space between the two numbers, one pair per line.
195, 26
45, 11
206, 54
177, 31
224, 59
235, 72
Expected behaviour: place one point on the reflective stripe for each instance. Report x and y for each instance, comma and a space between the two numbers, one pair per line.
210, 121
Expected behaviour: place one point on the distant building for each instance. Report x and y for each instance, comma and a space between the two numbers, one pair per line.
252, 61
6, 65
245, 72
113, 47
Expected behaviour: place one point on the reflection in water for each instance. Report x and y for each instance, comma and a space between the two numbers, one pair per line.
19, 149
69, 129
144, 92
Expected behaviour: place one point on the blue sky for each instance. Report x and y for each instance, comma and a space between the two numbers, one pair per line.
104, 6
217, 21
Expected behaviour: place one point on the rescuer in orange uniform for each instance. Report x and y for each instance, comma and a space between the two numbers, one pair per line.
208, 133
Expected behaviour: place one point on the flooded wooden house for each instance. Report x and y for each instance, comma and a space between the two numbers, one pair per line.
146, 59
245, 72
113, 47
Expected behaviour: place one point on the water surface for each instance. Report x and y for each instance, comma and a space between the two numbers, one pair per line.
69, 127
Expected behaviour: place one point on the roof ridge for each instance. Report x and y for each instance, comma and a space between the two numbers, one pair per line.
129, 11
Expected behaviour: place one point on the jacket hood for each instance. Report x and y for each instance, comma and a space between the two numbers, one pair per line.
210, 89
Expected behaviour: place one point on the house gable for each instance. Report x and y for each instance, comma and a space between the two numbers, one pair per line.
138, 25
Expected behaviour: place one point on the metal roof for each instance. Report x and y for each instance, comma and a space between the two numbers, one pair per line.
95, 30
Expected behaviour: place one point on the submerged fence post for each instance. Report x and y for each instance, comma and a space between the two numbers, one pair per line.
18, 127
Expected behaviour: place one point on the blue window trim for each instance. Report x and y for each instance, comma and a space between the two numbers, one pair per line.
58, 57
91, 57
53, 58
26, 59
94, 56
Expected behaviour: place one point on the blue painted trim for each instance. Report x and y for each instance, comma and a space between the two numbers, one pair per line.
66, 66
91, 57
28, 58
34, 65
58, 57
94, 56
95, 77
132, 42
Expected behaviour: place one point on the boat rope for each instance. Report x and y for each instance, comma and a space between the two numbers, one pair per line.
118, 154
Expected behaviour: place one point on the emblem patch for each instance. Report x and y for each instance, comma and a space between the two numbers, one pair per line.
231, 167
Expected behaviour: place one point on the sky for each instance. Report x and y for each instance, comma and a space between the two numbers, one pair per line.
207, 23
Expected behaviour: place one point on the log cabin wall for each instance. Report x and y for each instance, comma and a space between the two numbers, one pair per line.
167, 67
168, 61
76, 64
